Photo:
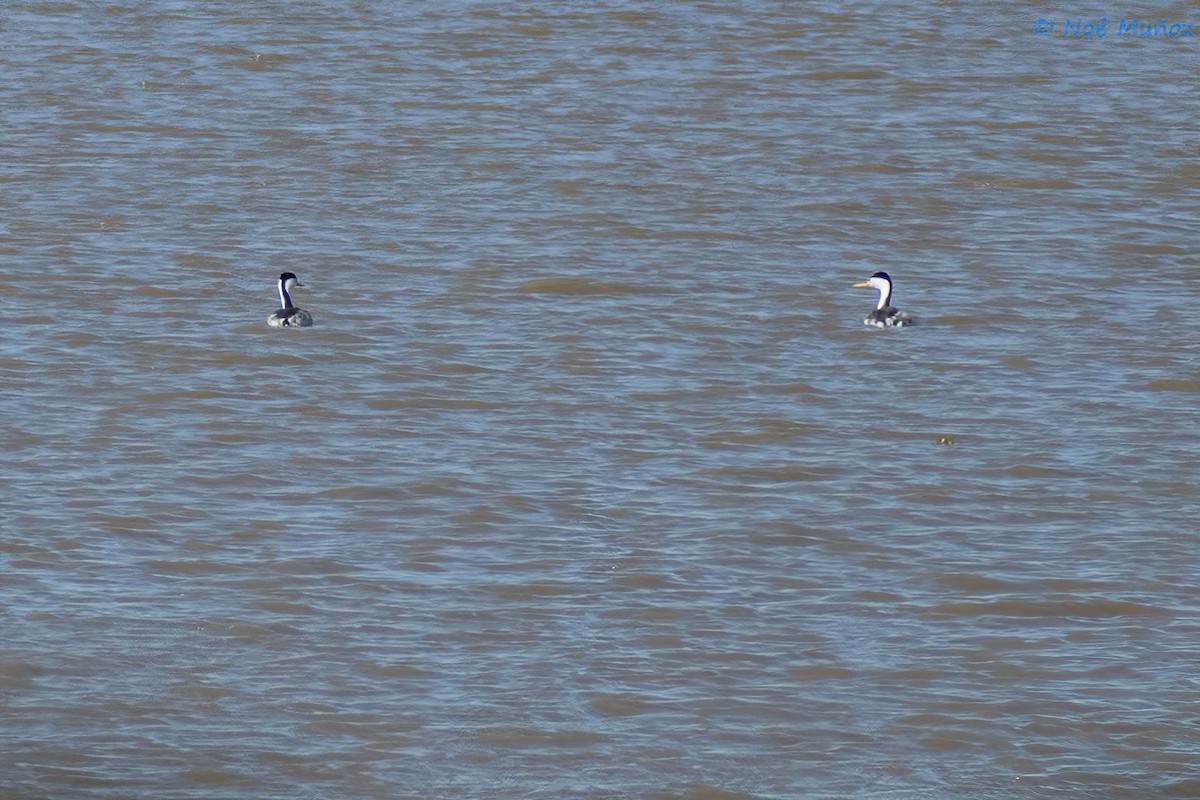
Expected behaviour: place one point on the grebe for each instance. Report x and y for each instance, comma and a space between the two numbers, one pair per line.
289, 316
884, 316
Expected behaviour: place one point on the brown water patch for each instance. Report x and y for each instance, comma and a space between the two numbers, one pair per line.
946, 741
984, 181
506, 736
966, 581
1094, 608
1031, 471
1188, 787
18, 674
569, 187
362, 725
1173, 385
526, 591
192, 567
820, 672
701, 791
394, 671
576, 286
875, 596
781, 474
481, 515
643, 581
619, 705
1140, 248
366, 493
123, 524
880, 169
661, 642
214, 777
285, 608
791, 389
846, 75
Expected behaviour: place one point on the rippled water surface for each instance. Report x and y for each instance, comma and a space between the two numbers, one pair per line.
589, 481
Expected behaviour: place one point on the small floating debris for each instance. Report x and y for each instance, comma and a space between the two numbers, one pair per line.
945, 440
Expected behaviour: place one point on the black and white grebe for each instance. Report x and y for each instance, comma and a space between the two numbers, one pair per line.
289, 316
884, 316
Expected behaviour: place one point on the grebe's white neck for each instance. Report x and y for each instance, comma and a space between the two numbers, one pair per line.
286, 281
885, 291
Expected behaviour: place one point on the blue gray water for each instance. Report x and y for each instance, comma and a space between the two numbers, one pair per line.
589, 481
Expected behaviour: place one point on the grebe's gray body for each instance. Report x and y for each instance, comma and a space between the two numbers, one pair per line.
884, 315
289, 316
